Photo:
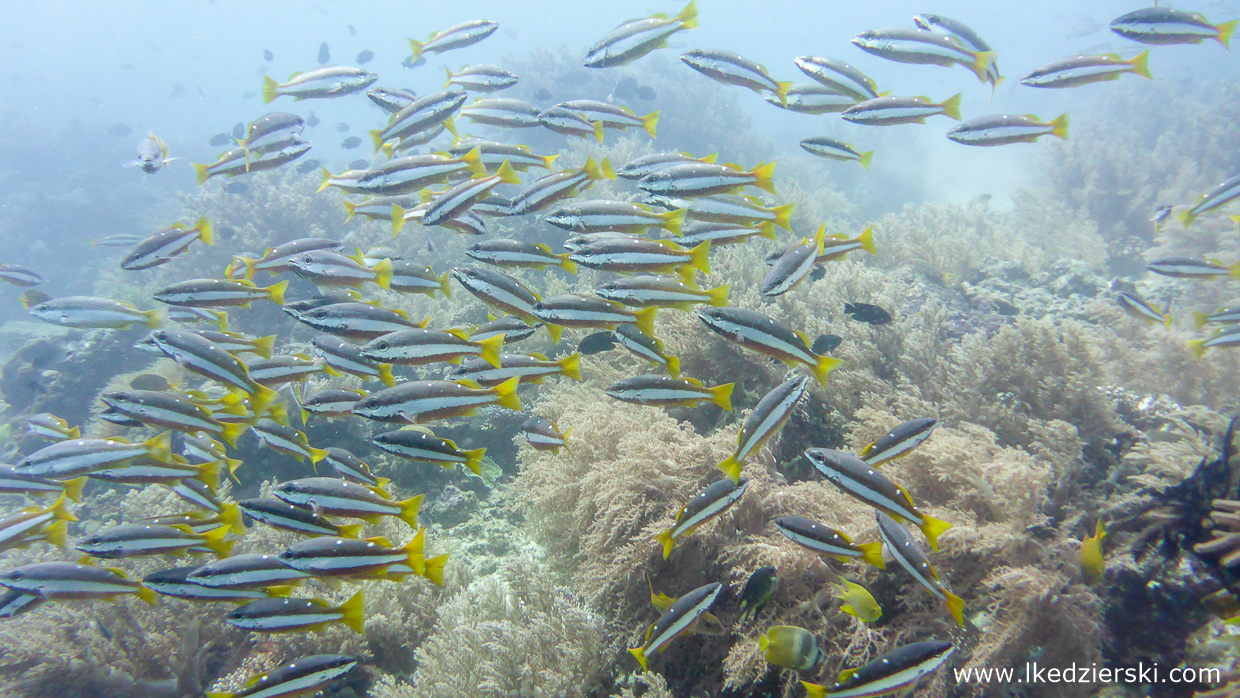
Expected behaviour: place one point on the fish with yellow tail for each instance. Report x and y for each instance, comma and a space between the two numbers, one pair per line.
1093, 560
370, 558
790, 647
332, 496
908, 554
638, 37
664, 391
895, 671
706, 505
305, 676
418, 402
278, 615
899, 442
681, 619
766, 419
859, 480
757, 332
824, 540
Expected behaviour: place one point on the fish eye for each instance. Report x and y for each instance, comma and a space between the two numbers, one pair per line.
383, 345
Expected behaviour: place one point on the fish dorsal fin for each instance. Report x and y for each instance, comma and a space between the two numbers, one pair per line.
379, 540
694, 381
907, 497
845, 675
540, 357
661, 601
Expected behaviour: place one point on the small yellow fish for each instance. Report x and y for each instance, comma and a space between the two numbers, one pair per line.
790, 647
1093, 564
858, 601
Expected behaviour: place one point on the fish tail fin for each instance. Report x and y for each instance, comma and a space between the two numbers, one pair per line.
674, 221
275, 292
73, 488
955, 606
951, 107
933, 528
823, 367
598, 131
1225, 31
566, 446
556, 332
317, 454
230, 515
645, 320
383, 273
1141, 65
159, 447
448, 71
767, 230
866, 238
350, 209
592, 169
202, 171
567, 264
263, 346
865, 159
764, 177
473, 161
473, 460
699, 257
154, 318
1200, 319
270, 89
783, 216
673, 366
350, 531
385, 375
548, 159
327, 180
506, 174
263, 397
781, 91
605, 168
719, 295
650, 122
416, 48
148, 595
433, 569
640, 654
59, 511
490, 349
376, 137
206, 232
982, 61
444, 285
506, 394
398, 219
571, 365
215, 540
231, 432
665, 539
409, 509
688, 19
873, 554
731, 467
1234, 270
353, 613
1059, 126
57, 532
763, 643
1197, 347
722, 395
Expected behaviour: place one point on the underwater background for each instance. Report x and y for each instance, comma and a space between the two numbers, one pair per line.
998, 270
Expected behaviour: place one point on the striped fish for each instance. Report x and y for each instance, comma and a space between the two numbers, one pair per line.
330, 402
49, 427
419, 116
1162, 26
483, 77
162, 245
331, 268
358, 321
238, 343
280, 514
812, 98
892, 111
898, 442
575, 310
1082, 70
370, 558
665, 391
16, 529
613, 116
88, 312
646, 347
905, 550
454, 37
333, 496
661, 291
514, 329
504, 252
492, 153
427, 401
638, 37
544, 435
640, 167
692, 180
547, 190
287, 440
732, 69
757, 332
298, 615
305, 676
570, 123
214, 293
287, 368
324, 82
13, 482
893, 672
502, 112
838, 75
1004, 129
76, 457
827, 541
69, 580
527, 368
603, 214
1219, 196
421, 446
1183, 267
248, 571
350, 467
706, 505
835, 149
793, 265
680, 619
766, 418
134, 540
346, 357
1224, 338
628, 256
169, 411
457, 200
419, 346
174, 583
919, 46
858, 479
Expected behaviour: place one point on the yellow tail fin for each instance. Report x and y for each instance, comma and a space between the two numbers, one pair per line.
722, 395
866, 238
699, 257
1059, 126
206, 232
688, 19
873, 554
263, 346
1141, 65
1197, 347
490, 349
353, 613
383, 273
433, 569
951, 107
955, 606
665, 539
571, 365
640, 654
473, 460
214, 539
865, 159
506, 174
416, 48
73, 488
783, 216
506, 394
409, 509
823, 367
982, 61
764, 177
933, 528
674, 221
1225, 31
275, 292
270, 89
649, 122
644, 319
731, 467
160, 447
